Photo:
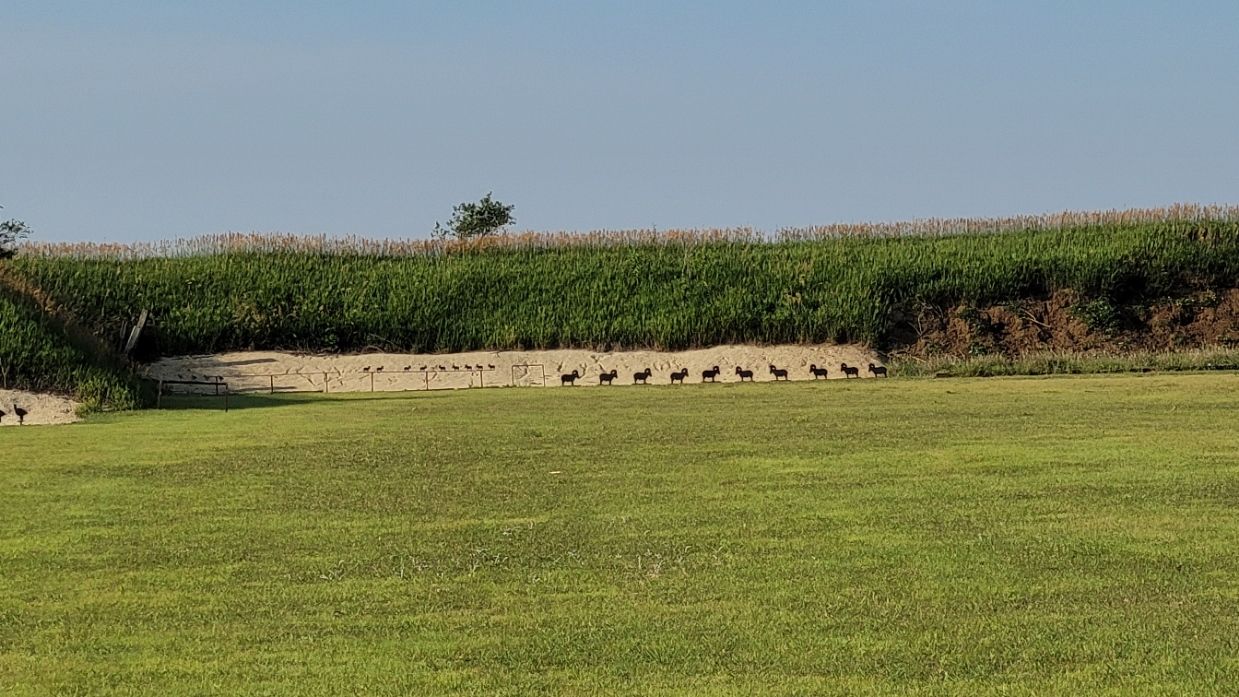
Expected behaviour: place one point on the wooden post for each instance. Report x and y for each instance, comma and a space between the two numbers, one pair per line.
324, 383
137, 331
272, 384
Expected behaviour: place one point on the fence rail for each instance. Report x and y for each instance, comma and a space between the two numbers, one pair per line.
161, 389
328, 381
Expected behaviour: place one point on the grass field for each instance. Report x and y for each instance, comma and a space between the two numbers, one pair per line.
1016, 536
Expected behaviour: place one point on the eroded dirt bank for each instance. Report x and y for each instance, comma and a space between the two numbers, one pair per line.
1064, 321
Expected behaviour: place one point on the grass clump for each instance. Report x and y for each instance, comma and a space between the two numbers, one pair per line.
1099, 315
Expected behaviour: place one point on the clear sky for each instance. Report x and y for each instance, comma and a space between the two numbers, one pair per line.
126, 120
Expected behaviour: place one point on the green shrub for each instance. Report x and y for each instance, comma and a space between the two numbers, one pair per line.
1099, 315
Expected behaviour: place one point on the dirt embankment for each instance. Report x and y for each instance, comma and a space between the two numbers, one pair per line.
40, 409
1066, 322
283, 372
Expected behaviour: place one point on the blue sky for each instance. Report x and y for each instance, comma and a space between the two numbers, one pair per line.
129, 121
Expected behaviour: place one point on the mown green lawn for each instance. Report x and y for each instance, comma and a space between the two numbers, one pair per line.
1075, 535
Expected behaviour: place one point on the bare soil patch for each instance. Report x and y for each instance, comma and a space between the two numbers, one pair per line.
286, 372
41, 409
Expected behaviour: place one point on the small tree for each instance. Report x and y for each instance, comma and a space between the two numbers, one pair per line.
11, 231
469, 220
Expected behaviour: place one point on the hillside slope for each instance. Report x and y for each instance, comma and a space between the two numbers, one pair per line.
42, 352
669, 294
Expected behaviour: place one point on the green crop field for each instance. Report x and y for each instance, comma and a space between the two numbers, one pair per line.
1015, 536
648, 293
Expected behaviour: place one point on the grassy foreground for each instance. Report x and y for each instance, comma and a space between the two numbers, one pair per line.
1005, 536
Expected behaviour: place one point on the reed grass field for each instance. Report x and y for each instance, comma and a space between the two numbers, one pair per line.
1001, 536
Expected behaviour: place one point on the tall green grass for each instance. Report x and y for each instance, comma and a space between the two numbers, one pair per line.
675, 292
1070, 363
38, 354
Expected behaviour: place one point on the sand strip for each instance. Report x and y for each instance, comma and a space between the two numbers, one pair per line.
261, 371
40, 409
